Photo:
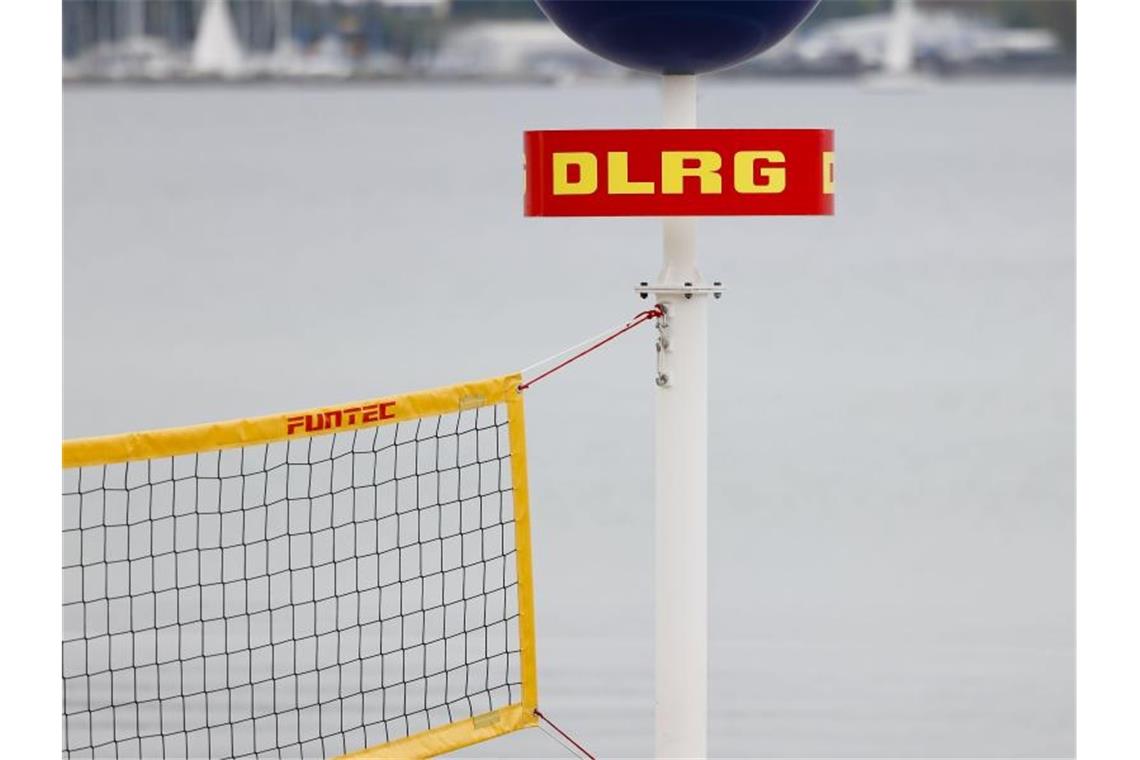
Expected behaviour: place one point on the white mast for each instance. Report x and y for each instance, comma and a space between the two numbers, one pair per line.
216, 48
681, 559
136, 20
131, 47
283, 46
285, 53
899, 55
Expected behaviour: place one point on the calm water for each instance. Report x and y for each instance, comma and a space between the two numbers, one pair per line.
891, 507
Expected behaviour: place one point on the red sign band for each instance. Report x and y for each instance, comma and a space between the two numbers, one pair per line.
679, 172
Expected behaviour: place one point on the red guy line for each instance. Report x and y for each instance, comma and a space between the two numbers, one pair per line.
564, 735
644, 316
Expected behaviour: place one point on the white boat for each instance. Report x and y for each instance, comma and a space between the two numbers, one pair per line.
217, 50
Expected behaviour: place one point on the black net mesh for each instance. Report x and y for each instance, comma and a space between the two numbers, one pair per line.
296, 599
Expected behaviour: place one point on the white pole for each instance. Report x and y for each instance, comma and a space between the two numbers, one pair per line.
682, 478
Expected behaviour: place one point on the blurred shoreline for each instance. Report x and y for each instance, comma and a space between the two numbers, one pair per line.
426, 41
395, 81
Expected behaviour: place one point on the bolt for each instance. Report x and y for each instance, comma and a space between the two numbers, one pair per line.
718, 294
688, 285
662, 380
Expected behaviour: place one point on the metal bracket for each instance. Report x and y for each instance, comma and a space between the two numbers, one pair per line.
688, 290
662, 346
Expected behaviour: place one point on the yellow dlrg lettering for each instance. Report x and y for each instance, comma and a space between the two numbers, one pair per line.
618, 182
829, 172
674, 171
744, 172
587, 182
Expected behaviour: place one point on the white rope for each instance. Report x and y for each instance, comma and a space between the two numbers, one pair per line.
570, 750
576, 346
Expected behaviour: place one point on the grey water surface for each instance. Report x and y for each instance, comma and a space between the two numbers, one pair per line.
891, 389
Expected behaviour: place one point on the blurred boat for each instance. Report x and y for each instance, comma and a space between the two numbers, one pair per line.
910, 40
898, 73
517, 50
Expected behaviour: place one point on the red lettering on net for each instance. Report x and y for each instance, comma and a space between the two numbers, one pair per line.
331, 420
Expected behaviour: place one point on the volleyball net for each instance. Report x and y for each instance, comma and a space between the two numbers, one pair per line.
351, 580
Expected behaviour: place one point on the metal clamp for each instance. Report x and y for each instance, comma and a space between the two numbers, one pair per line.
662, 345
688, 290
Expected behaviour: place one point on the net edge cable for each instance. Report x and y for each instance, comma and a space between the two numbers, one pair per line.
170, 442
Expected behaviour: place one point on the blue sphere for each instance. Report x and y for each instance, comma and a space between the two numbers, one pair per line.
677, 36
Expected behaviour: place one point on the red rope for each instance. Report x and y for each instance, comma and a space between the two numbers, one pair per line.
564, 735
644, 316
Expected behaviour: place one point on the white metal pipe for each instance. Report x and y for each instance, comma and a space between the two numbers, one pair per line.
681, 560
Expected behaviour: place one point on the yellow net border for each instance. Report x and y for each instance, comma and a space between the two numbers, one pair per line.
385, 410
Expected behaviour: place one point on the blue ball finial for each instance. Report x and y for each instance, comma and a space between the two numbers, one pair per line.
677, 36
